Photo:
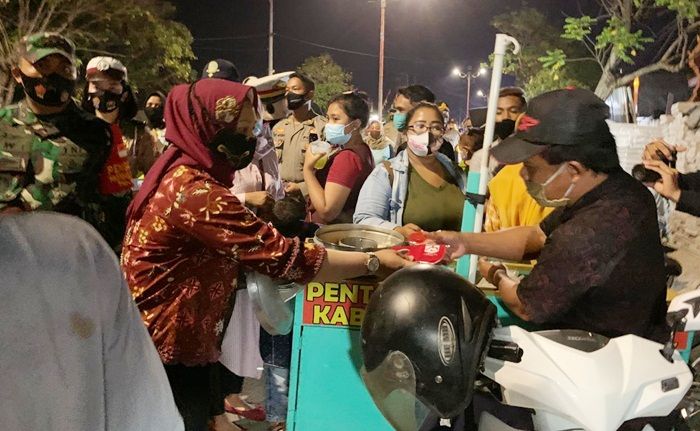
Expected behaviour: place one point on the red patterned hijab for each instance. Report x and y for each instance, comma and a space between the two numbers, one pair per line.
194, 113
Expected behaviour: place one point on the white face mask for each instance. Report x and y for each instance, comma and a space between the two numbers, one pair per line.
537, 192
419, 144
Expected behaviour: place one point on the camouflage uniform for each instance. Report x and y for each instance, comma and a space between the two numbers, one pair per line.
53, 162
38, 165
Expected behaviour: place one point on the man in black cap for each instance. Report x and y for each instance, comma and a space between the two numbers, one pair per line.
600, 264
221, 69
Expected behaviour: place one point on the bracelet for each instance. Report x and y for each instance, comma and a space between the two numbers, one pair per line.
498, 275
492, 272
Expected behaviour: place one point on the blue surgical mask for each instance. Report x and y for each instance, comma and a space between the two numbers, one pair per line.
399, 120
335, 134
258, 129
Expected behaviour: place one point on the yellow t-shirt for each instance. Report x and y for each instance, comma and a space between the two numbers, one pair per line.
510, 205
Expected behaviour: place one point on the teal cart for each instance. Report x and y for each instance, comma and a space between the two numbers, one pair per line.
326, 392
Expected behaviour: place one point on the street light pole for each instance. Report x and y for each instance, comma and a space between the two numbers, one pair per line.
469, 90
380, 89
270, 41
468, 76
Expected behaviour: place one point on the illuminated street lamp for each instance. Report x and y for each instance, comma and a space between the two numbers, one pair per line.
469, 76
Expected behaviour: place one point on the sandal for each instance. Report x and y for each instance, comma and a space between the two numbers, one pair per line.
256, 414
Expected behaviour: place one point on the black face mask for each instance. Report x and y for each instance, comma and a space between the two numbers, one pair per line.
52, 90
154, 115
108, 101
504, 128
235, 147
295, 101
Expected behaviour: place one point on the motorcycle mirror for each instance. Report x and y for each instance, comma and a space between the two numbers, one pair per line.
684, 311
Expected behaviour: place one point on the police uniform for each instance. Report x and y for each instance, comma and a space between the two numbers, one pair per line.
394, 135
290, 139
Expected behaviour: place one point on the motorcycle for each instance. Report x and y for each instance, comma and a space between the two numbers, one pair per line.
566, 379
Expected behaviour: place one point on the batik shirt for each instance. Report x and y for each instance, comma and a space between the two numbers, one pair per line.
38, 164
182, 258
602, 265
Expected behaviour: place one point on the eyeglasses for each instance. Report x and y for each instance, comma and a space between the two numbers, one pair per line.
422, 128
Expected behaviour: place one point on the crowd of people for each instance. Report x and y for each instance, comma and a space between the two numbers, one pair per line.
221, 177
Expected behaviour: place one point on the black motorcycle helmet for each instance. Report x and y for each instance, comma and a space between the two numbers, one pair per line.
424, 337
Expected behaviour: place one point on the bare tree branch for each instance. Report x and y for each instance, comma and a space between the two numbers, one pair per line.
37, 16
48, 18
626, 79
576, 60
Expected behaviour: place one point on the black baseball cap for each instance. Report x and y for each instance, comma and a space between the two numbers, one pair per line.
221, 69
571, 117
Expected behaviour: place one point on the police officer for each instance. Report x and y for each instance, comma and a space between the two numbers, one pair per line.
51, 151
292, 134
221, 69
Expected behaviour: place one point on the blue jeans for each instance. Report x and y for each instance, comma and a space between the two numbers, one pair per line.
277, 387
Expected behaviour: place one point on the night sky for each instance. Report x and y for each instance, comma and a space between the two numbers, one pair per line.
425, 39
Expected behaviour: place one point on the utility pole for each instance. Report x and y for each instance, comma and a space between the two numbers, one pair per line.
380, 90
468, 76
270, 41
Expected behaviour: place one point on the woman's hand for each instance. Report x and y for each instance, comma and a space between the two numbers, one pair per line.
257, 199
407, 229
310, 159
391, 261
667, 186
455, 241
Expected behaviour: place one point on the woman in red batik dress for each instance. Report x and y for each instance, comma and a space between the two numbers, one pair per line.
188, 237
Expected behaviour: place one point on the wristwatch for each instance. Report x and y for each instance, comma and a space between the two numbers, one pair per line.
372, 264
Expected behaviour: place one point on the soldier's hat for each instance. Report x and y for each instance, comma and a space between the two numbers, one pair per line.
40, 45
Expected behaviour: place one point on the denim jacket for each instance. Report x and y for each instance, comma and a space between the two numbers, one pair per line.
381, 204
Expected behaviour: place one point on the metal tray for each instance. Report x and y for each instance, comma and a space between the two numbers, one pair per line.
357, 237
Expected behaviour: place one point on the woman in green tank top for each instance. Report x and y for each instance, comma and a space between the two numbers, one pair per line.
434, 201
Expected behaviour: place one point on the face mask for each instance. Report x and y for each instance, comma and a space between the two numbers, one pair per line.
335, 134
52, 90
258, 129
260, 146
537, 191
399, 120
236, 147
154, 115
295, 101
504, 128
419, 144
106, 101
375, 135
